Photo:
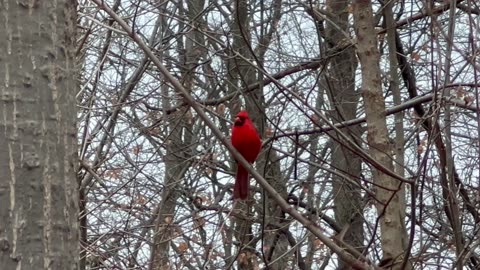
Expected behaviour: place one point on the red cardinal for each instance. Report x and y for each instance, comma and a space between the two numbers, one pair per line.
246, 140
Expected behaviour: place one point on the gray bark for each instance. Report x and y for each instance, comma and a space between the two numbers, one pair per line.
344, 98
176, 158
38, 188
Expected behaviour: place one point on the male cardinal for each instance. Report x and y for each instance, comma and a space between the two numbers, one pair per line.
246, 140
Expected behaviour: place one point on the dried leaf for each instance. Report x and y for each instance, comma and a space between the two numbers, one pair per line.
317, 244
415, 56
183, 247
141, 200
221, 109
137, 149
460, 92
168, 220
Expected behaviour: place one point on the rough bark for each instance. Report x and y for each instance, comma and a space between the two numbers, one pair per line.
176, 158
240, 72
38, 188
389, 207
243, 74
343, 96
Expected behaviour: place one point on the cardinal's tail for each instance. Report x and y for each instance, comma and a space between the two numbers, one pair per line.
240, 190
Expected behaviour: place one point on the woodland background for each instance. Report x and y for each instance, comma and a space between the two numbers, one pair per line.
369, 114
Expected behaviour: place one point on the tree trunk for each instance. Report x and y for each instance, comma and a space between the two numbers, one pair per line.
176, 158
344, 97
240, 73
389, 205
38, 187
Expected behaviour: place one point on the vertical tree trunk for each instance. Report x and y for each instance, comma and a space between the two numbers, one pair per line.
243, 74
176, 160
344, 97
397, 100
38, 83
389, 205
240, 73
